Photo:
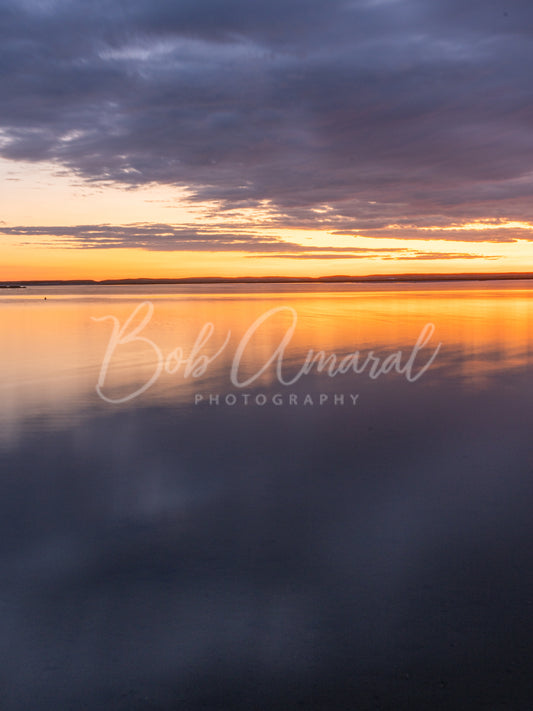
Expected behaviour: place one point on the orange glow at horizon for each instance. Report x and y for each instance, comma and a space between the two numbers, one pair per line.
22, 261
44, 195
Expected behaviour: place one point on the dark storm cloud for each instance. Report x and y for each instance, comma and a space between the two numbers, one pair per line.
375, 113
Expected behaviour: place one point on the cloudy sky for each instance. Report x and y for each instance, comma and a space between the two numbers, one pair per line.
236, 137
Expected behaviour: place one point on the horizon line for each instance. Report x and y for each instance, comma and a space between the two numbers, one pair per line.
342, 278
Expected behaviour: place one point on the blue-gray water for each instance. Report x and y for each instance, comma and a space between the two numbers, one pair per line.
160, 554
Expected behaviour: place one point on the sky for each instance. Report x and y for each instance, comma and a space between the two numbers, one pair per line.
161, 138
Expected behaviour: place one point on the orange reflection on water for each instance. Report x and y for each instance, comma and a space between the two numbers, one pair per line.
53, 350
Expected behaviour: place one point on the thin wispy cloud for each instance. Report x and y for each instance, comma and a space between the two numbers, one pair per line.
165, 237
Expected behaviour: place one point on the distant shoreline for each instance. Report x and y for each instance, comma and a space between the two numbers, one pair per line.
341, 279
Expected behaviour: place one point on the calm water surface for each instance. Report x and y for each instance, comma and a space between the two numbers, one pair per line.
203, 545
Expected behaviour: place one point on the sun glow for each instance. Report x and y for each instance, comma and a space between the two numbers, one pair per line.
44, 195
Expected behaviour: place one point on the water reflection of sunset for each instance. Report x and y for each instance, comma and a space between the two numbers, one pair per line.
53, 350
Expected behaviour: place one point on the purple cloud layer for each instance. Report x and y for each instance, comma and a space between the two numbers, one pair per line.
344, 115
